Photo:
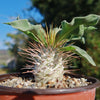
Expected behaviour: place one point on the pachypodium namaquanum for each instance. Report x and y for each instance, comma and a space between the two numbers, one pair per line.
54, 49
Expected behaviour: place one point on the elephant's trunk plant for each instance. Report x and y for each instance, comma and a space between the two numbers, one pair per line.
54, 50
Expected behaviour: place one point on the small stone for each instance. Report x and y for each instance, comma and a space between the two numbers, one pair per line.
25, 84
50, 82
32, 86
71, 85
19, 86
83, 79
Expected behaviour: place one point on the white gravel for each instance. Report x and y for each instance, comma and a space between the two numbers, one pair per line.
18, 82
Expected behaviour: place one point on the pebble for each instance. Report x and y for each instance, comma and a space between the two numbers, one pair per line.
19, 86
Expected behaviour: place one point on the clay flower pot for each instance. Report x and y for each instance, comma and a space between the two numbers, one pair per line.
79, 93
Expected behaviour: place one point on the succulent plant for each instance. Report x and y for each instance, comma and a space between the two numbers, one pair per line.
54, 49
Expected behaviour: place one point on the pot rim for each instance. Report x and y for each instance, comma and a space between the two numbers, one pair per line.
50, 91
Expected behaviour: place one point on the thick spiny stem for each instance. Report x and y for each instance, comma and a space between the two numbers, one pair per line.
48, 64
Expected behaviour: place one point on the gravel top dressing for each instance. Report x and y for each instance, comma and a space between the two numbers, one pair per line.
19, 82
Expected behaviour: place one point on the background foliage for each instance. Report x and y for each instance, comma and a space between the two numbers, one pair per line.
54, 11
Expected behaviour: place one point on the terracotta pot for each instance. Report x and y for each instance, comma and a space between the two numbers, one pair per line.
80, 93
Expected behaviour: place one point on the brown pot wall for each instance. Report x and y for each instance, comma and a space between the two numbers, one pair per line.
85, 95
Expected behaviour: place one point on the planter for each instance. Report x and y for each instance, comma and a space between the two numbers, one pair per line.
80, 93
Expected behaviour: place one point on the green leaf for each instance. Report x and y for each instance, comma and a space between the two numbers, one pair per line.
83, 40
80, 36
80, 51
72, 28
22, 25
31, 35
90, 28
84, 54
67, 48
34, 31
81, 30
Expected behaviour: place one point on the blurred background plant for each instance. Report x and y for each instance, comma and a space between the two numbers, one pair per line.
53, 12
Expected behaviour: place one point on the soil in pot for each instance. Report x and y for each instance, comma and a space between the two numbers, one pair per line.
28, 82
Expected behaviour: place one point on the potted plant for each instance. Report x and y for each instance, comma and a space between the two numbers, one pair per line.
49, 57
